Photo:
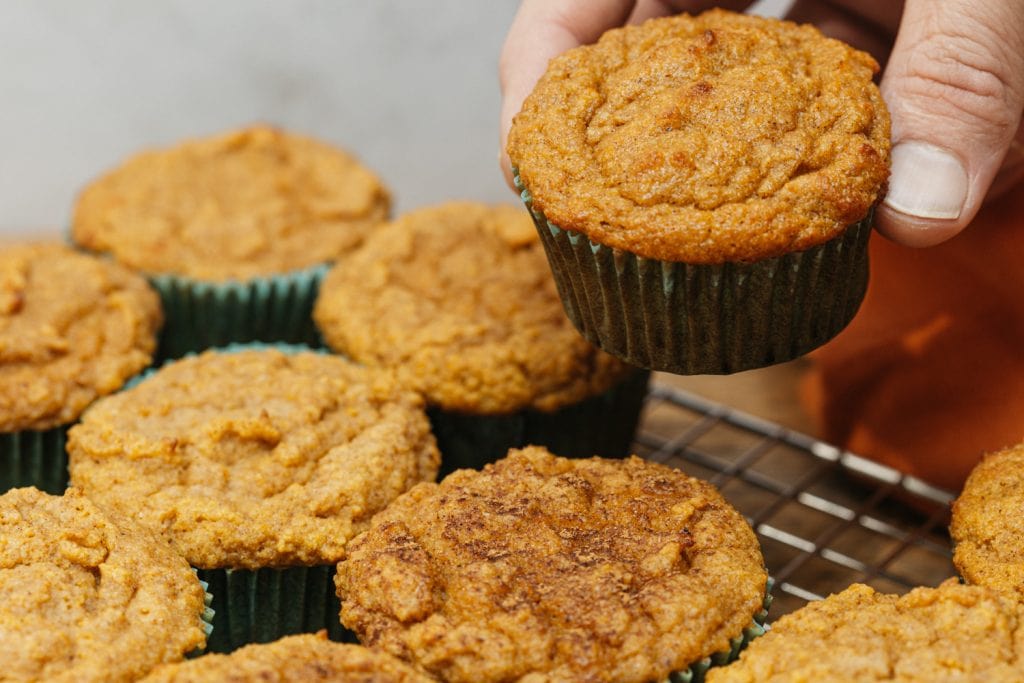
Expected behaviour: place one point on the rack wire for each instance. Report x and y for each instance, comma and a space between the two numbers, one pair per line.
825, 517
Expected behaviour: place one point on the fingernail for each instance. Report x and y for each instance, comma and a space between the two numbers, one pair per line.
926, 181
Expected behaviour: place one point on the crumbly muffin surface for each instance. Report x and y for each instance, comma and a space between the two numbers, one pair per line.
546, 569
255, 458
950, 633
459, 299
988, 523
720, 137
87, 595
295, 659
72, 328
249, 203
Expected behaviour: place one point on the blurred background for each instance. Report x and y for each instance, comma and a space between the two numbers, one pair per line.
410, 87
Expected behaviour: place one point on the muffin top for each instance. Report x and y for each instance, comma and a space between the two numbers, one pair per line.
72, 327
720, 137
988, 523
542, 568
949, 633
293, 659
87, 595
255, 458
459, 299
249, 203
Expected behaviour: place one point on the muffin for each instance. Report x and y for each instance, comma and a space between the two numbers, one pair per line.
88, 595
233, 230
72, 328
550, 569
988, 523
293, 659
704, 186
949, 633
458, 299
258, 466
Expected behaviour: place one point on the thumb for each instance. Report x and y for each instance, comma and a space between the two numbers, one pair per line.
955, 88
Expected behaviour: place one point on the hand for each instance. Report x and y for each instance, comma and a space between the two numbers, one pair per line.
954, 84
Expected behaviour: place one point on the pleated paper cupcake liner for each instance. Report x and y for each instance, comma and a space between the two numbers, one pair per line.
34, 458
262, 605
207, 616
706, 319
601, 425
201, 315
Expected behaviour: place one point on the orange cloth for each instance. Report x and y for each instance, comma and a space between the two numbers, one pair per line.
930, 374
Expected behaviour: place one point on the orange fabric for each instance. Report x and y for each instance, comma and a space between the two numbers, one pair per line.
930, 374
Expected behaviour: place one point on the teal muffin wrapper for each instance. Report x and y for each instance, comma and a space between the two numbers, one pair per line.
601, 425
262, 605
207, 616
34, 458
758, 627
706, 319
200, 315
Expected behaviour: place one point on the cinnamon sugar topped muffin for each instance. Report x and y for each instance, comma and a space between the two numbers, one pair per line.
255, 458
253, 202
72, 328
705, 139
988, 523
294, 659
543, 568
87, 595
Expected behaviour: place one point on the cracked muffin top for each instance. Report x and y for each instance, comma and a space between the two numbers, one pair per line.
72, 327
988, 523
950, 633
459, 300
545, 569
248, 203
295, 659
87, 595
705, 139
255, 458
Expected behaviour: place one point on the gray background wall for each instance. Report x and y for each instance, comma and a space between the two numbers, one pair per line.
410, 87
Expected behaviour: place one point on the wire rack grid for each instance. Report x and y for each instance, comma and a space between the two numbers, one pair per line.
825, 517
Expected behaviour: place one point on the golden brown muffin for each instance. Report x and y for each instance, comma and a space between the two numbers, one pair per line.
988, 523
708, 139
256, 458
72, 328
253, 202
293, 659
930, 635
87, 595
459, 299
547, 569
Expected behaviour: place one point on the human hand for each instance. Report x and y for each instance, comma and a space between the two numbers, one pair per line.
954, 84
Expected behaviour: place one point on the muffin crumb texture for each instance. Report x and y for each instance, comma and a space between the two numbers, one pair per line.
459, 300
295, 659
988, 523
949, 633
250, 203
705, 139
541, 568
88, 596
72, 328
256, 458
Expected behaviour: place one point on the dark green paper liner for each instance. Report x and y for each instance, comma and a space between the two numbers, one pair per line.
601, 425
706, 319
34, 458
207, 617
263, 605
200, 315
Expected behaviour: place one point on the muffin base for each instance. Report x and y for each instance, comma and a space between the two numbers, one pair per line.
34, 458
693, 319
602, 425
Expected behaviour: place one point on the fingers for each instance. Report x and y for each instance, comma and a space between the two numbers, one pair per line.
955, 89
543, 29
868, 25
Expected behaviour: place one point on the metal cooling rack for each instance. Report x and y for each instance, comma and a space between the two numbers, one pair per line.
825, 517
